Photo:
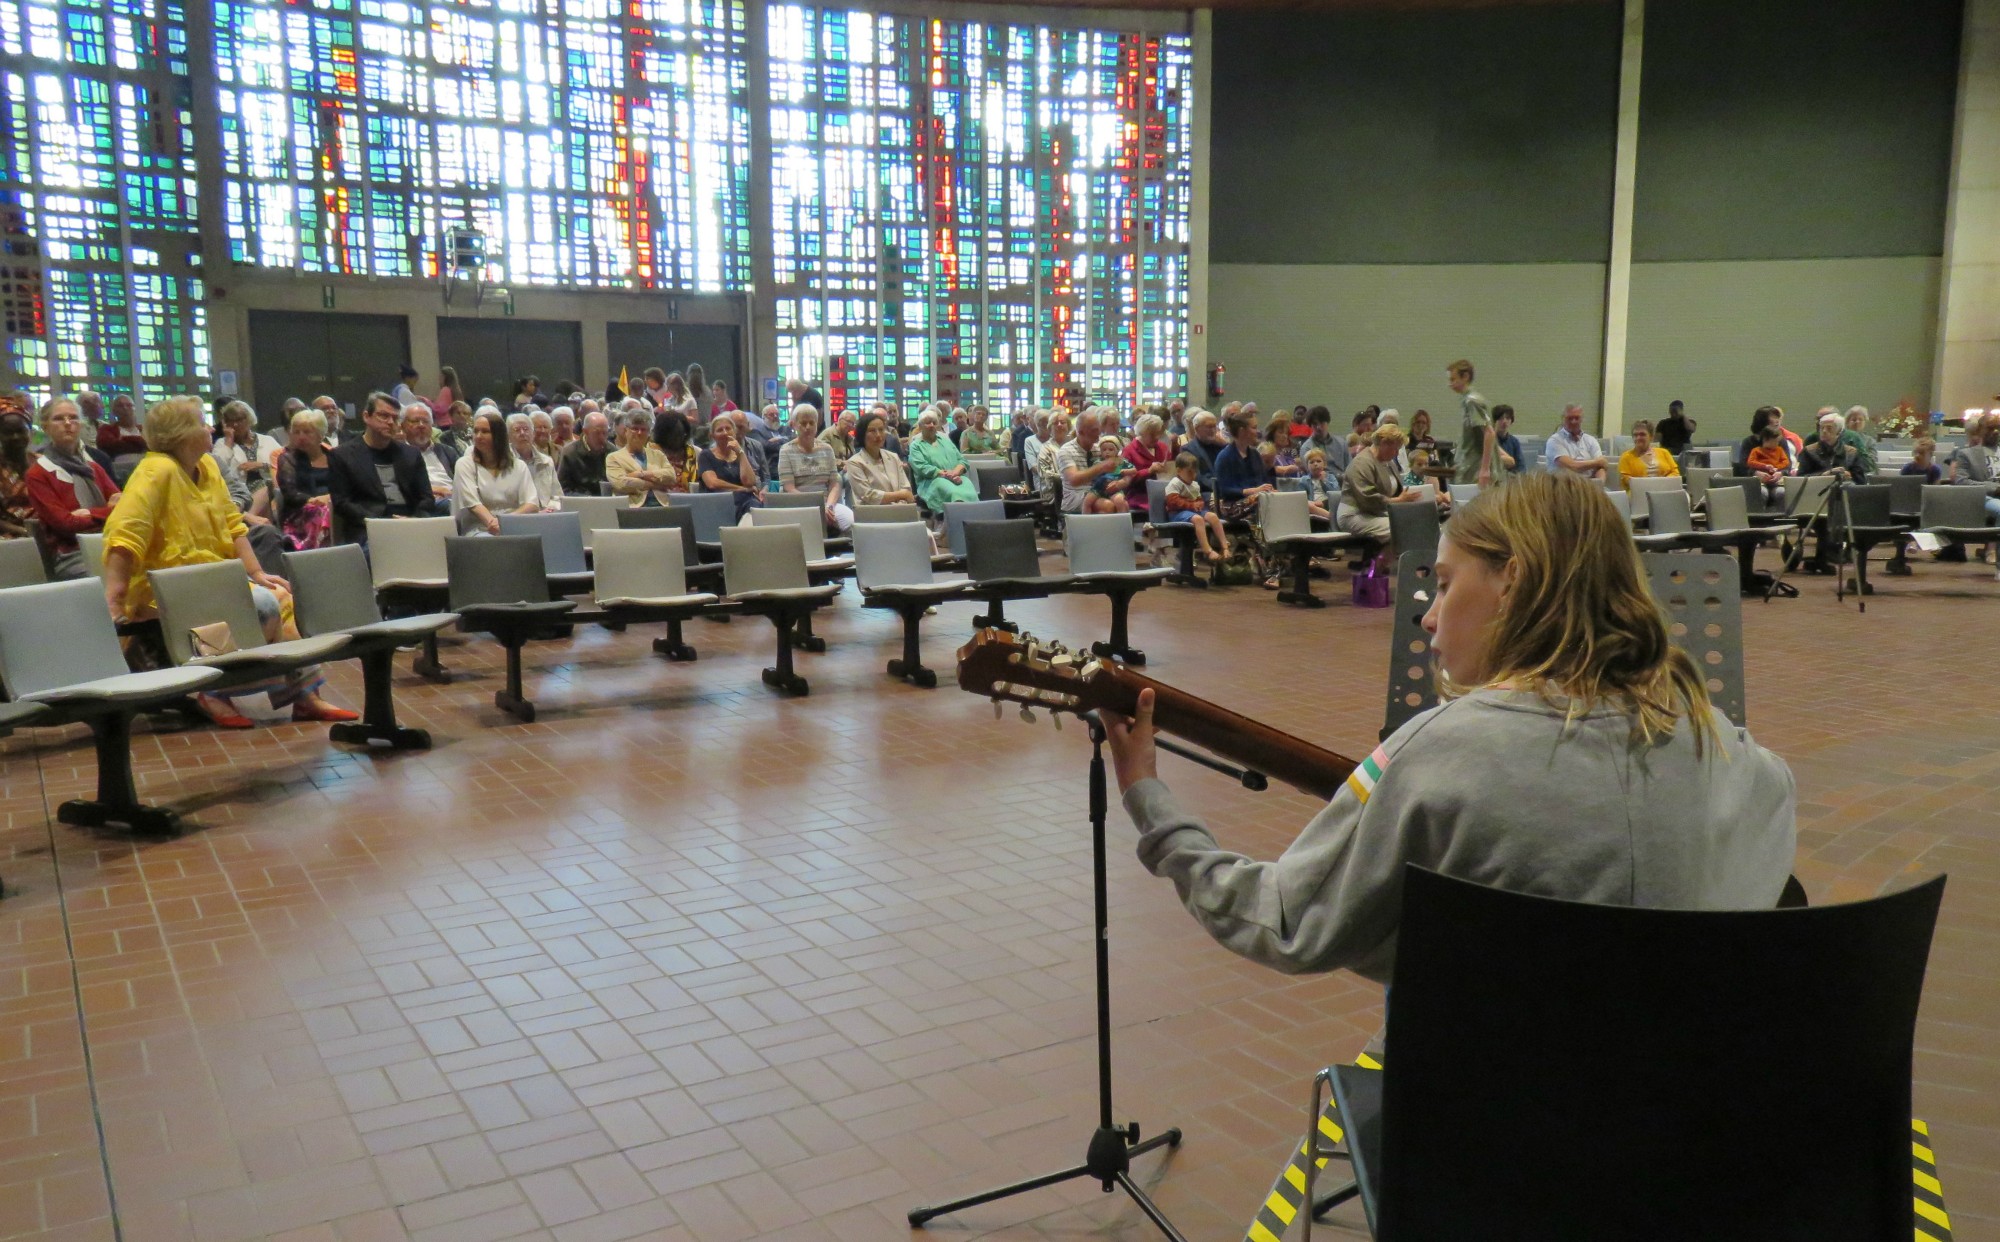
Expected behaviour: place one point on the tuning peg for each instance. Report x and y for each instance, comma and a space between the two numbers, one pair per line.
996, 709
1057, 717
1027, 714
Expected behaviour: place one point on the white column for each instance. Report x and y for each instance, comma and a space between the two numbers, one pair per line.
1618, 272
1204, 42
1966, 373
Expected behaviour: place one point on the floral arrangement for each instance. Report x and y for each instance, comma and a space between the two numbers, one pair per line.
1904, 420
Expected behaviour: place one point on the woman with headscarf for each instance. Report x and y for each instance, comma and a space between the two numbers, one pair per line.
15, 434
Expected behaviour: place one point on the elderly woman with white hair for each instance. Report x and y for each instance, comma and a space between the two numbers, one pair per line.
176, 511
1151, 453
941, 473
541, 466
806, 463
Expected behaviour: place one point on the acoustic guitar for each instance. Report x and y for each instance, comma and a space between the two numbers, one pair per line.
1018, 669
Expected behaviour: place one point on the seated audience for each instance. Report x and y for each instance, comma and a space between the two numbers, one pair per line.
545, 433
1645, 459
1573, 449
941, 473
1973, 464
978, 438
70, 493
253, 453
305, 500
674, 438
1151, 454
376, 474
1278, 434
1371, 485
1319, 435
1857, 436
1118, 480
1240, 474
725, 467
841, 438
1019, 435
1770, 461
1508, 460
581, 472
92, 406
1420, 436
1186, 505
1079, 466
439, 458
1923, 460
563, 431
122, 436
542, 467
1830, 453
490, 480
176, 511
1206, 441
806, 464
1418, 461
1048, 472
638, 468
1322, 489
1676, 430
876, 475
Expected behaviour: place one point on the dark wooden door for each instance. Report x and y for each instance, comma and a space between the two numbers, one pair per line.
307, 354
492, 355
673, 346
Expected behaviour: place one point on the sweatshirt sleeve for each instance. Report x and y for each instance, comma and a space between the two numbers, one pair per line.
1331, 901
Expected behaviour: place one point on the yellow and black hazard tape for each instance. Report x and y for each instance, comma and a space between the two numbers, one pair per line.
1932, 1223
1281, 1207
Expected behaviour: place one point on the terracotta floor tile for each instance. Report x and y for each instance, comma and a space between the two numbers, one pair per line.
690, 962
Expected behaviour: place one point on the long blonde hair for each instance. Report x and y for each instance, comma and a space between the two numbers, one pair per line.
1580, 623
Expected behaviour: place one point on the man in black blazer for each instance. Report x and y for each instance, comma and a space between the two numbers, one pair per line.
376, 474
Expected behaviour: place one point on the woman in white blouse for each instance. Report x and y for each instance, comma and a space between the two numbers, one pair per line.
541, 466
491, 480
877, 476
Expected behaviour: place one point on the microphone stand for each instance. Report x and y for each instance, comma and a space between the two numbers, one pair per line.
1108, 1159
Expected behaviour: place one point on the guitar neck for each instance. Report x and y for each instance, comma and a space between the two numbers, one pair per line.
1239, 739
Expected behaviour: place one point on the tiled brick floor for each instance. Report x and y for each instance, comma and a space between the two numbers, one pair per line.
686, 960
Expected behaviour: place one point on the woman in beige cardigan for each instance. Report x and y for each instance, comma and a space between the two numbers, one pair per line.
877, 476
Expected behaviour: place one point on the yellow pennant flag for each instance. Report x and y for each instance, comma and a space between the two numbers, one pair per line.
624, 384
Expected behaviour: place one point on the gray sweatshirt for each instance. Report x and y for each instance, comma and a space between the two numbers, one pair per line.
1490, 788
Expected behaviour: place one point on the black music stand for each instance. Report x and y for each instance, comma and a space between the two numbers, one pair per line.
1109, 1157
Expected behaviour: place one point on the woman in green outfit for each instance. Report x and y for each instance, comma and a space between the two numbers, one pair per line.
977, 439
938, 470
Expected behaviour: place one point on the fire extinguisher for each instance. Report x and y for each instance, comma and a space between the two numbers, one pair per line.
1216, 372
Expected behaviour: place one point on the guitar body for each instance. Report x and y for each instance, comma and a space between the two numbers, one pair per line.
1017, 669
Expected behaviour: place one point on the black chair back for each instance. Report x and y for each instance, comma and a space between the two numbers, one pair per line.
1414, 527
495, 569
1001, 550
1906, 493
993, 478
1865, 504
661, 517
1558, 1070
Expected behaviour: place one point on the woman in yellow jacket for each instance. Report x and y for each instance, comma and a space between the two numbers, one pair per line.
1645, 459
175, 510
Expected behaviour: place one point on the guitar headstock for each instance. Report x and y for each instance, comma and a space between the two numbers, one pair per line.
1010, 668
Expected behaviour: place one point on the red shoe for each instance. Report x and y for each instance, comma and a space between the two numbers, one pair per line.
324, 713
220, 714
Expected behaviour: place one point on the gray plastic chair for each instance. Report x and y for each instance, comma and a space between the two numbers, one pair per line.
333, 594
1004, 563
21, 564
1698, 478
562, 546
92, 547
1101, 561
1180, 534
597, 513
1703, 600
958, 512
712, 512
1621, 501
500, 586
1412, 685
892, 566
1642, 491
1668, 518
1414, 527
642, 579
764, 574
795, 500
887, 513
812, 539
197, 595
1859, 520
1957, 513
1285, 521
406, 563
61, 662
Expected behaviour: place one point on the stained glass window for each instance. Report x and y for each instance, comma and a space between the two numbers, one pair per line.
985, 211
99, 257
594, 143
